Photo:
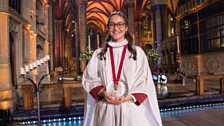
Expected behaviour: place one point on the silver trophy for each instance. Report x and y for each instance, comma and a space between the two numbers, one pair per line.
117, 90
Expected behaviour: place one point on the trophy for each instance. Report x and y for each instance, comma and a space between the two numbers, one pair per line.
117, 90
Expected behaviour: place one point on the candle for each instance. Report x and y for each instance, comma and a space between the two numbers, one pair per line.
98, 41
48, 57
27, 68
38, 62
89, 43
22, 71
31, 66
45, 59
178, 44
133, 36
34, 64
42, 60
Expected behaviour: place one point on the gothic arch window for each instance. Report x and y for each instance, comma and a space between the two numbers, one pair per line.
15, 5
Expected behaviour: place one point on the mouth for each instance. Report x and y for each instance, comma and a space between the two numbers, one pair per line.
116, 33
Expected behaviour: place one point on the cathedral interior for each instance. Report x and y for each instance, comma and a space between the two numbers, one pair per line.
45, 46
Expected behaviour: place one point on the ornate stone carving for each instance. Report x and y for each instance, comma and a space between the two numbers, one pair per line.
212, 64
190, 65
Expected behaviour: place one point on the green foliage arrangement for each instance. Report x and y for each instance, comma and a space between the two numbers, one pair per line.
86, 55
152, 54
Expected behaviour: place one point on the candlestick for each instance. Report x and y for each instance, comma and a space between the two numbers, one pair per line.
98, 41
178, 44
89, 48
133, 36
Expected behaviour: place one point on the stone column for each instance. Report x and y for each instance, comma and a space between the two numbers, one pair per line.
28, 12
130, 10
159, 24
26, 32
32, 14
46, 42
51, 32
82, 30
5, 69
33, 49
59, 45
138, 33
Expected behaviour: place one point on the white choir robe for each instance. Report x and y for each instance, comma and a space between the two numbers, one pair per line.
137, 74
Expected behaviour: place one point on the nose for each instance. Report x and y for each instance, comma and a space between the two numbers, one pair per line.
115, 26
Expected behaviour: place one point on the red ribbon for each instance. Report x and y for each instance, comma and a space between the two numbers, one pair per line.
117, 78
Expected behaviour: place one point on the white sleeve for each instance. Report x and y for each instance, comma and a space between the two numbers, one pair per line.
142, 73
91, 77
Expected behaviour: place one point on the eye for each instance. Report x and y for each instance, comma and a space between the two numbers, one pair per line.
120, 24
111, 24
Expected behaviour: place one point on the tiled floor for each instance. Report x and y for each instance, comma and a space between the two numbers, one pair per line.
206, 117
211, 117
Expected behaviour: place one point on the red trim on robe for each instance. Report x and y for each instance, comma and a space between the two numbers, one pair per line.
94, 92
140, 97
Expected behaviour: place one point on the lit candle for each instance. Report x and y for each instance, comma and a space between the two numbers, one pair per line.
89, 43
98, 41
22, 71
178, 44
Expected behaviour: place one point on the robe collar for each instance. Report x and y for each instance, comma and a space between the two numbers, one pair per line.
117, 44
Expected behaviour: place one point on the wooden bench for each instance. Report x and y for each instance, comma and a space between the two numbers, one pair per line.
200, 82
28, 93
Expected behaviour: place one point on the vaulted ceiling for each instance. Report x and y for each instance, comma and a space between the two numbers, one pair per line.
97, 11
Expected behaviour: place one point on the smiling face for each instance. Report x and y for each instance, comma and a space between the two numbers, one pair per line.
117, 28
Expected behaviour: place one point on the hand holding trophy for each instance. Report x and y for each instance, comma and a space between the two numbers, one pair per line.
117, 90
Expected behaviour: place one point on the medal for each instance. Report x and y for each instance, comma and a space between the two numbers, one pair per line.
117, 87
117, 90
